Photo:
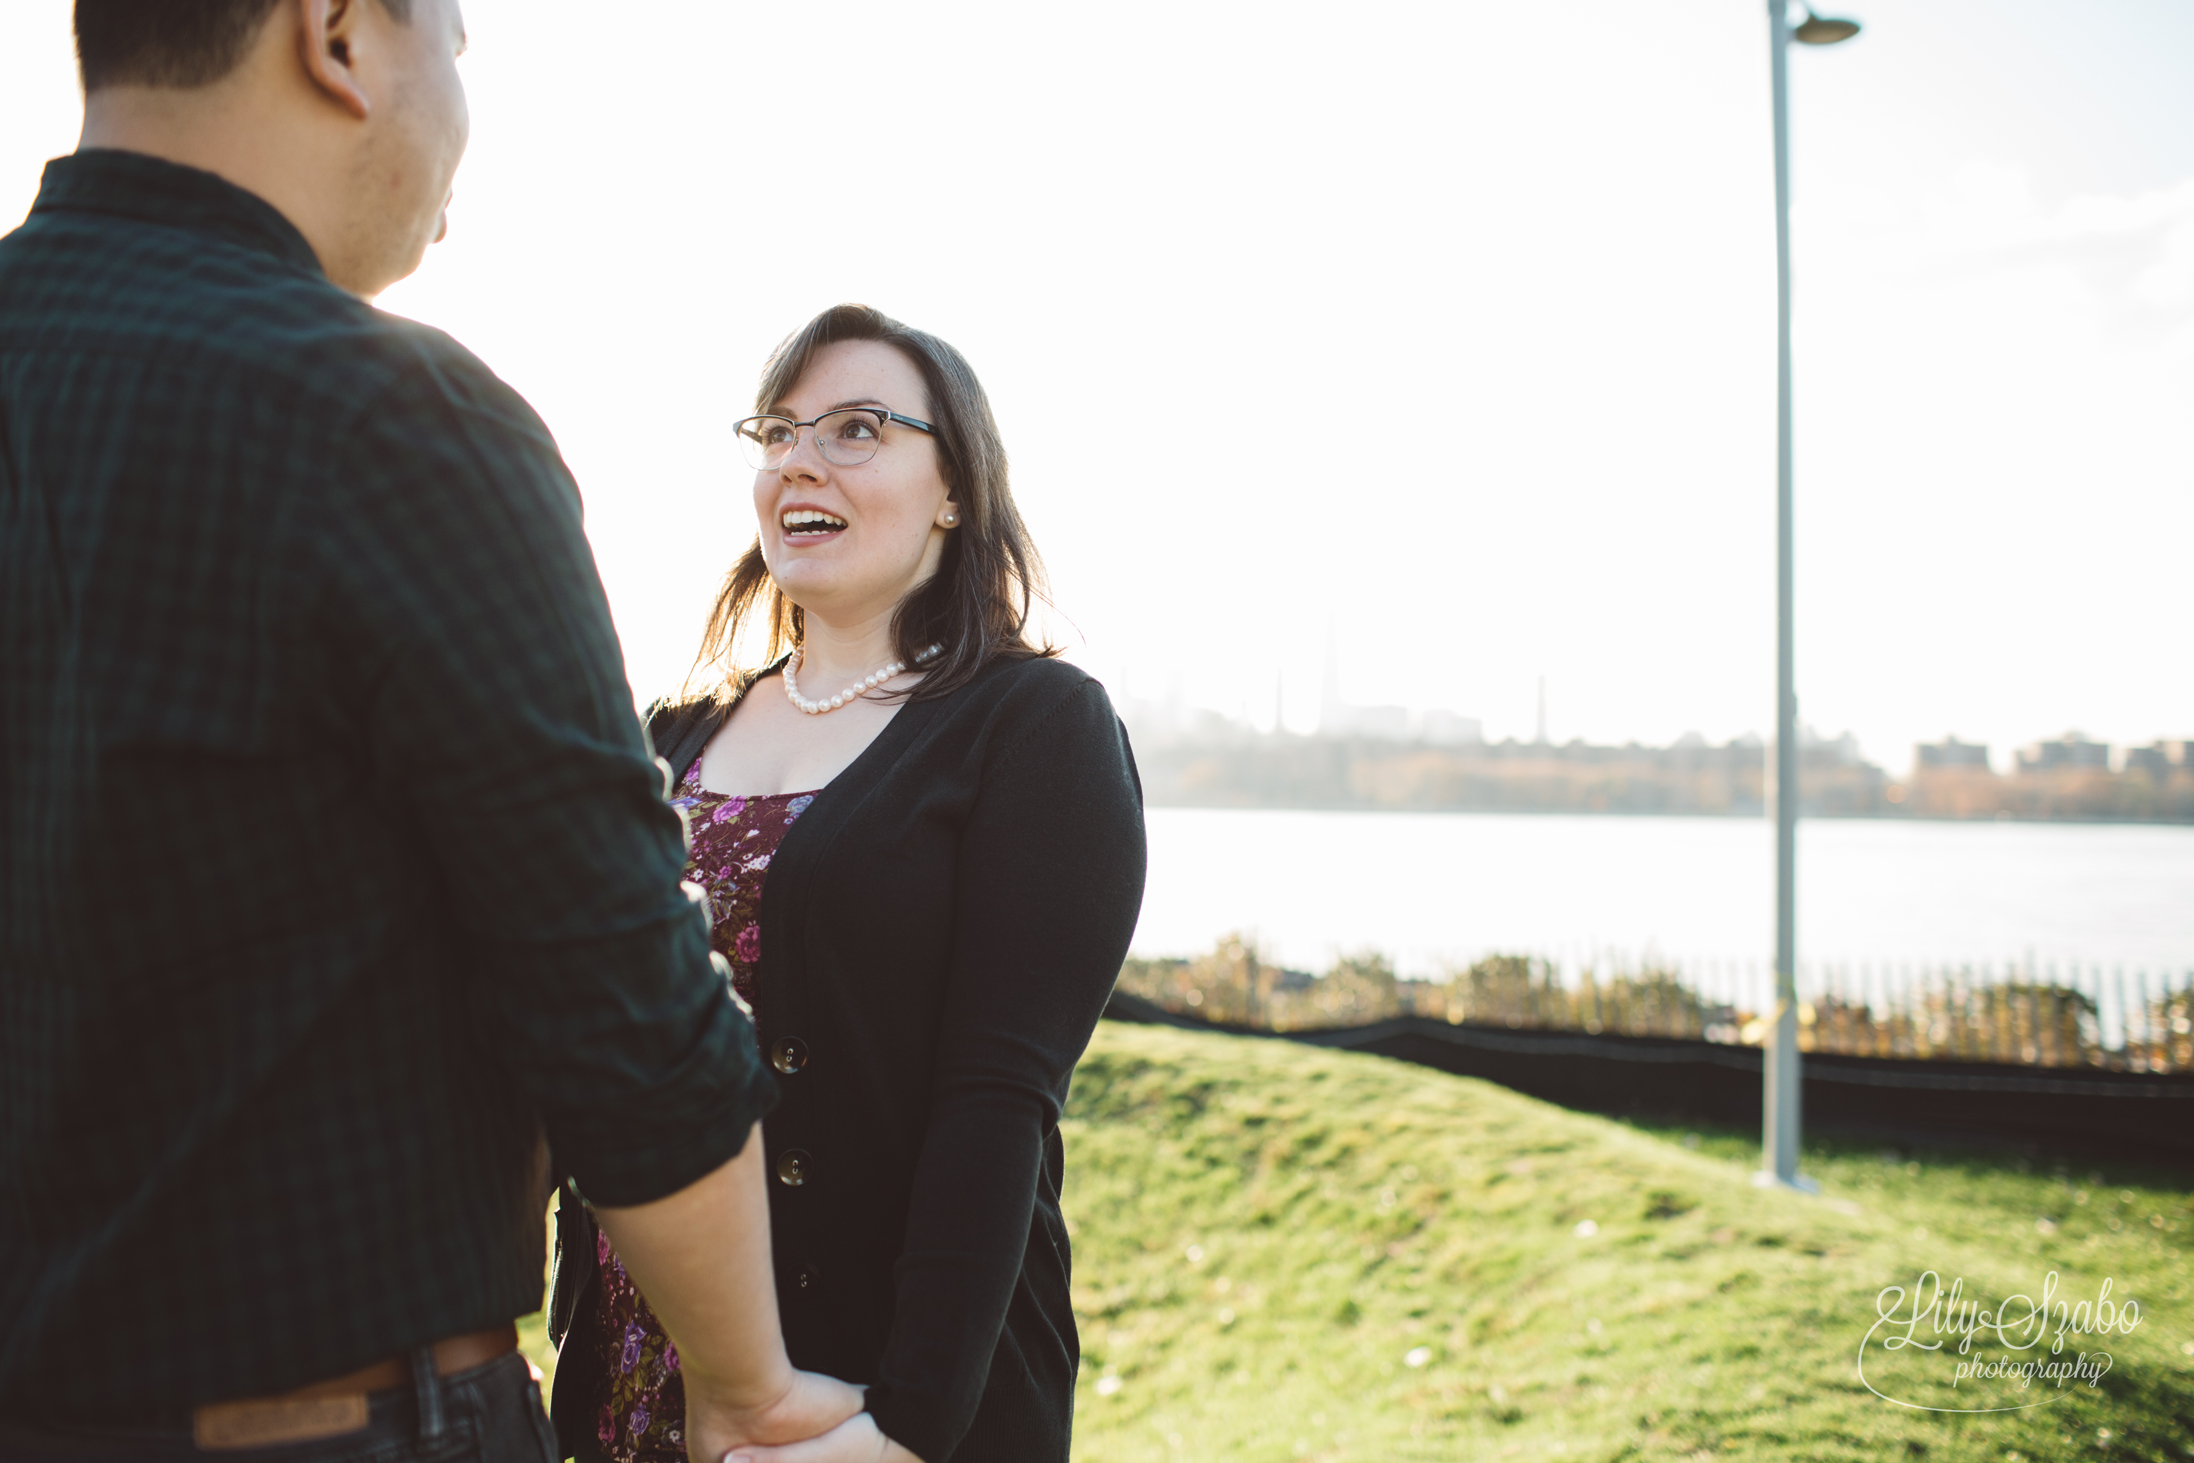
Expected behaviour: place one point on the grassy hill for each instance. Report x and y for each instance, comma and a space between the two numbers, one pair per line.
1285, 1253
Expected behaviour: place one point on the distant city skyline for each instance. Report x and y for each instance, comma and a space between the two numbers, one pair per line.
2069, 746
1334, 714
1450, 325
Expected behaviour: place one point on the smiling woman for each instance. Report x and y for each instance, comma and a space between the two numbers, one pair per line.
973, 596
924, 882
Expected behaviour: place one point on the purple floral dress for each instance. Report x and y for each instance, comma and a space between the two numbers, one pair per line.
642, 1418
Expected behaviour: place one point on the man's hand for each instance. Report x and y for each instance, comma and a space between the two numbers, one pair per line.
810, 1404
856, 1440
701, 1257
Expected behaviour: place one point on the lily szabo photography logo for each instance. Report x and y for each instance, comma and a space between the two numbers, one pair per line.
1936, 1350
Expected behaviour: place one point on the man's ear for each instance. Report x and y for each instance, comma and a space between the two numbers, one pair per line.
327, 37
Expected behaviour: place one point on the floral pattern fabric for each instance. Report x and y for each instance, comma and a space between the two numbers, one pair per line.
642, 1417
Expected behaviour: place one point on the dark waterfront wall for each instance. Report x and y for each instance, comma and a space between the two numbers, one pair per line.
2077, 1113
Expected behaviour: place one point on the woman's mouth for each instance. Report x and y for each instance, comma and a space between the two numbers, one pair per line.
809, 525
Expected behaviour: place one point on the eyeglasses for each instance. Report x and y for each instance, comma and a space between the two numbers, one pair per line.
847, 437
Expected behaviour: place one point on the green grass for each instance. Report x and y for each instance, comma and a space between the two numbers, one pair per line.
1266, 1233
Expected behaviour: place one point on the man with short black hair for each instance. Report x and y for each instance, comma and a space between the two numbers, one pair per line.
162, 43
337, 885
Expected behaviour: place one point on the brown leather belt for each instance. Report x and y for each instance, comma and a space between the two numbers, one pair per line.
339, 1405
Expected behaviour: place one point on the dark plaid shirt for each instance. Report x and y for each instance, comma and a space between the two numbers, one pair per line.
334, 868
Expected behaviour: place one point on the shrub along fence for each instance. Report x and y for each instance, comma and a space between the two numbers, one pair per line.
2079, 1017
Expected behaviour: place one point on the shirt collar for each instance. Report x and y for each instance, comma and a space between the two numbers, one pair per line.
135, 185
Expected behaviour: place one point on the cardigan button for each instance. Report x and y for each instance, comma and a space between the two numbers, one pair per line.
807, 1277
788, 1054
792, 1167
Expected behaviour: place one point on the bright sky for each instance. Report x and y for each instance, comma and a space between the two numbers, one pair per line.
1447, 328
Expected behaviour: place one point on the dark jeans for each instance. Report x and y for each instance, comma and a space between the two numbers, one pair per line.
490, 1414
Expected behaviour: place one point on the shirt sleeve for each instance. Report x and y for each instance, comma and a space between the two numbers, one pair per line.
1048, 882
457, 585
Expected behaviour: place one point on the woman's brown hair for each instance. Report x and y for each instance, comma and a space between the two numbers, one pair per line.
977, 603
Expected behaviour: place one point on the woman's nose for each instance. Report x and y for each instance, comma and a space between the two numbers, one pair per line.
805, 459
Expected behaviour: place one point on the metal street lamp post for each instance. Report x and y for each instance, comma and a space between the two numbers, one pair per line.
1780, 1118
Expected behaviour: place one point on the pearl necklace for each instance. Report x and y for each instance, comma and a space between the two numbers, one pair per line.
853, 692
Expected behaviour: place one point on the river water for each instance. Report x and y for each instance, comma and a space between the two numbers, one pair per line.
1438, 889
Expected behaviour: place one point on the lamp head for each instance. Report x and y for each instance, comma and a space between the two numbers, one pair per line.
1817, 30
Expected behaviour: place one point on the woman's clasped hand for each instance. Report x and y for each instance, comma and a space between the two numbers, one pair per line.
811, 1406
856, 1440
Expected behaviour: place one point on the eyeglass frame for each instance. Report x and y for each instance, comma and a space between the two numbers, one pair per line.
884, 412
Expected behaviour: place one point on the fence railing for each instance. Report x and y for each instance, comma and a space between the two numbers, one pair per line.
2015, 1012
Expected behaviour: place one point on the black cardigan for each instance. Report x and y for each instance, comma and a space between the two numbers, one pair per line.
939, 933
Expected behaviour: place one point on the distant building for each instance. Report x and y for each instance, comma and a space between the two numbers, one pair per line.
1843, 750
2068, 752
1950, 752
2155, 761
1382, 723
1174, 720
2163, 760
1338, 718
1450, 730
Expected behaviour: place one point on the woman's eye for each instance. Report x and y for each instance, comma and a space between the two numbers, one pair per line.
857, 429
